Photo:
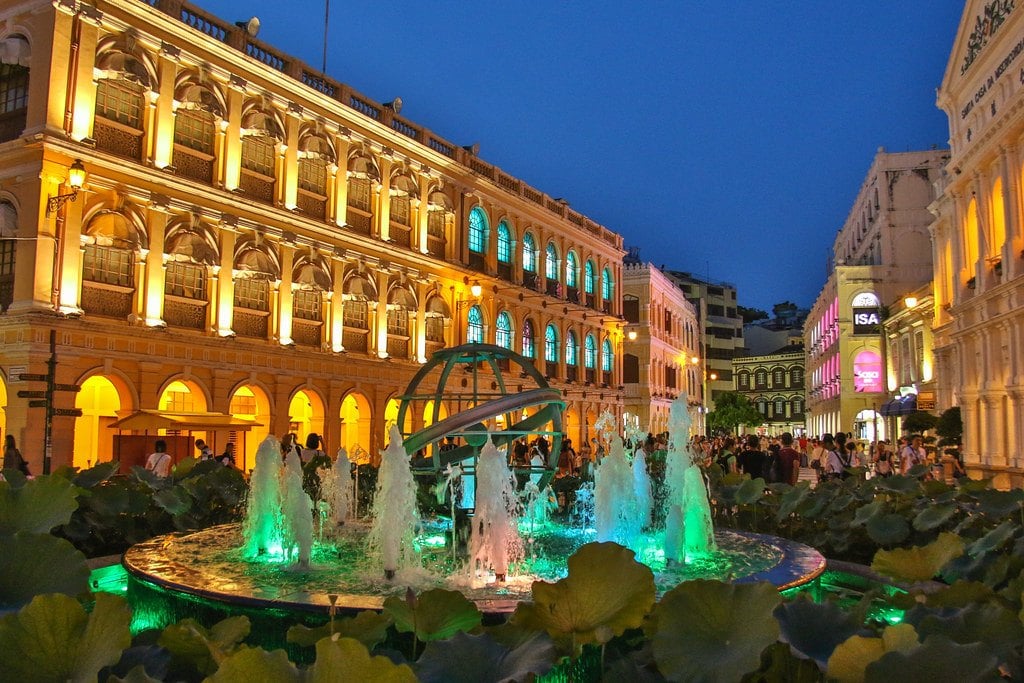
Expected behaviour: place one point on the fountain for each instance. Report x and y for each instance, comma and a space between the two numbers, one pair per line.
271, 560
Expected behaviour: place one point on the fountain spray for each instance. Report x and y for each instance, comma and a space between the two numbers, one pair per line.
495, 541
688, 529
395, 516
261, 529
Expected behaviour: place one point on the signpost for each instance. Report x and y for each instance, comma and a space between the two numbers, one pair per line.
44, 399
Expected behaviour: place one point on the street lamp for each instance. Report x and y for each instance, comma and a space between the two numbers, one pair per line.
76, 179
631, 335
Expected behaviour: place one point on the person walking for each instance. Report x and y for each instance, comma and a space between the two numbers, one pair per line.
13, 459
752, 460
205, 452
789, 460
835, 466
882, 460
159, 461
913, 454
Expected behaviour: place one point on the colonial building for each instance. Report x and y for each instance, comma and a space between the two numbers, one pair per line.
774, 384
721, 326
909, 359
662, 346
255, 239
979, 240
882, 252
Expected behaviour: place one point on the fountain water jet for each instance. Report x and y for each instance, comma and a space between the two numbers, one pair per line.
495, 541
616, 515
688, 529
336, 491
395, 515
262, 529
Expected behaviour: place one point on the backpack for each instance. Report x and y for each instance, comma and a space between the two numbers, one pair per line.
772, 469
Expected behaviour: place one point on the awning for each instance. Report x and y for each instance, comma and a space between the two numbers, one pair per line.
901, 405
151, 420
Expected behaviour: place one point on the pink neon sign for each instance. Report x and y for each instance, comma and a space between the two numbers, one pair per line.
867, 372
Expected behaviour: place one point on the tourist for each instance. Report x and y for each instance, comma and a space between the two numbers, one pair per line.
789, 460
751, 460
205, 452
567, 459
913, 454
312, 449
520, 453
159, 461
289, 443
834, 466
726, 459
12, 456
882, 460
227, 458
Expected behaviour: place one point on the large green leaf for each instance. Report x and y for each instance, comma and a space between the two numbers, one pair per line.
434, 614
793, 498
52, 638
898, 484
468, 659
814, 630
934, 516
919, 563
750, 491
37, 506
999, 504
174, 500
937, 659
994, 539
865, 513
249, 665
713, 631
888, 529
33, 564
850, 659
368, 627
203, 648
996, 626
606, 592
346, 659
96, 474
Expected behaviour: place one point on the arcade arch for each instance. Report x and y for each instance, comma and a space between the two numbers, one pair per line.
99, 402
356, 417
306, 414
250, 402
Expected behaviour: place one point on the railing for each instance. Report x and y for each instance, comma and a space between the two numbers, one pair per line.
117, 139
106, 301
477, 261
247, 323
401, 235
307, 332
189, 314
355, 340
571, 373
358, 220
311, 204
257, 186
435, 246
505, 270
192, 164
398, 347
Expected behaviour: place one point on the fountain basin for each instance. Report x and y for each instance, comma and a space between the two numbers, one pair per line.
207, 566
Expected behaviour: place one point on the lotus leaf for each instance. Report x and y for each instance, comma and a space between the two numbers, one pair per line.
814, 630
713, 631
606, 592
466, 658
750, 491
999, 504
974, 485
254, 664
109, 500
960, 594
793, 498
994, 539
999, 628
866, 513
32, 564
205, 649
52, 638
174, 500
898, 484
368, 627
919, 563
97, 474
36, 505
933, 488
850, 659
934, 516
888, 529
435, 614
937, 659
346, 659
136, 675
778, 663
142, 663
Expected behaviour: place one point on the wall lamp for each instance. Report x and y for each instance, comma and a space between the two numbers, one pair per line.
76, 179
475, 289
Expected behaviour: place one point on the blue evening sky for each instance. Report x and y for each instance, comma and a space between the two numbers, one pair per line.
723, 138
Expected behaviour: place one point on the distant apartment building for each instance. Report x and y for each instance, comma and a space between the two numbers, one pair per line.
882, 252
979, 241
774, 384
661, 342
722, 327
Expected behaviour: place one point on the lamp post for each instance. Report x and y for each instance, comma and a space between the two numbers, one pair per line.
475, 289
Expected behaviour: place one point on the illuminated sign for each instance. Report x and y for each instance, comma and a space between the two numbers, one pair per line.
866, 316
867, 372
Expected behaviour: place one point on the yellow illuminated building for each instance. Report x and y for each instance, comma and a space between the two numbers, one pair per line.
256, 239
978, 238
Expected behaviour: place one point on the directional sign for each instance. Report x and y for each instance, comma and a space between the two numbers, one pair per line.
66, 387
31, 377
24, 393
38, 404
68, 412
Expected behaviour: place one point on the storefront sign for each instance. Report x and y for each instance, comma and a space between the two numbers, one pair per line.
866, 316
867, 372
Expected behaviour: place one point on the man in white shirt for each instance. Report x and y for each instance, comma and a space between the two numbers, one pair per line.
912, 454
159, 462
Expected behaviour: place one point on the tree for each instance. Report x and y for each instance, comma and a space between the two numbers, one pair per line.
785, 310
950, 428
919, 421
733, 409
749, 315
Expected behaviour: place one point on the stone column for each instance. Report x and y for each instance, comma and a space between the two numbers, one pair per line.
164, 116
231, 158
83, 96
337, 331
343, 141
156, 219
225, 300
70, 244
284, 300
381, 313
381, 225
290, 162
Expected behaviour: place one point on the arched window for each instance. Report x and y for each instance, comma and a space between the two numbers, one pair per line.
743, 380
529, 254
589, 277
796, 377
797, 406
551, 344
780, 407
572, 267
478, 231
551, 262
8, 230
590, 352
195, 123
607, 285
13, 87
970, 233
504, 243
362, 174
778, 378
997, 221
761, 379
503, 330
475, 325
607, 358
571, 349
529, 346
